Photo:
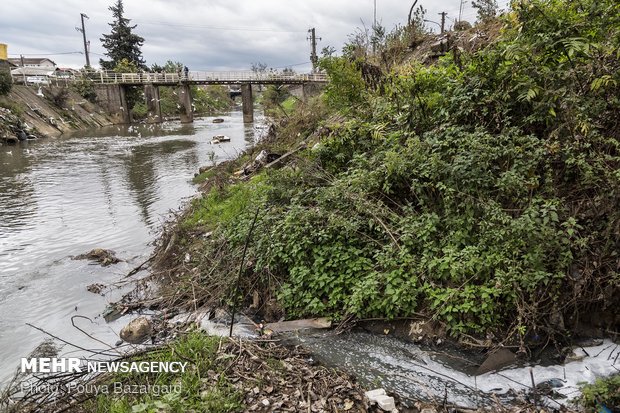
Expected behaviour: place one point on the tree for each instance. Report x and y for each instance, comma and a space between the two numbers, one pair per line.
6, 82
259, 67
121, 43
168, 67
487, 9
328, 51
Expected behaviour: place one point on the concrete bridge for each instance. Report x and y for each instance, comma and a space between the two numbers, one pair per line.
111, 88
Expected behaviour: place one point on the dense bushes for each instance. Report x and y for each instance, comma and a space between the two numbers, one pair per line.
6, 83
482, 191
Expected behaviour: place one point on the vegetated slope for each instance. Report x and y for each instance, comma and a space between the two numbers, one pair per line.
55, 111
481, 191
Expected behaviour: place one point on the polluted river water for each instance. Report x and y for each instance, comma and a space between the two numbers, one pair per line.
108, 188
113, 188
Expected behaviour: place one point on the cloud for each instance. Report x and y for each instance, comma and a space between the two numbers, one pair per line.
207, 35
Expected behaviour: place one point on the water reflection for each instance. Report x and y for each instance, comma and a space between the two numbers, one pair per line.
108, 188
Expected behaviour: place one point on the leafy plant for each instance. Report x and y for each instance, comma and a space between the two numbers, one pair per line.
6, 83
85, 88
603, 392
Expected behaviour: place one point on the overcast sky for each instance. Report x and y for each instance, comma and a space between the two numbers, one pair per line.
204, 35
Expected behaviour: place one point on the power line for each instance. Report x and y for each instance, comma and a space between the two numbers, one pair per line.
296, 64
198, 26
43, 54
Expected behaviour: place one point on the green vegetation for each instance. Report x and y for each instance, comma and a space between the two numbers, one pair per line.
206, 99
481, 191
222, 205
197, 393
211, 99
486, 9
225, 375
604, 392
6, 83
121, 44
16, 108
289, 104
277, 100
85, 88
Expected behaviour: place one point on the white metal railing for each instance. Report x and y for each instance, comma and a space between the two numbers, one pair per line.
110, 77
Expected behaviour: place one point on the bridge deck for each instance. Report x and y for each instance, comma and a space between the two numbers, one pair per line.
203, 78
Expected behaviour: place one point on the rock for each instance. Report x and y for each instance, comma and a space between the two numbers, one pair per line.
496, 360
589, 342
137, 330
103, 257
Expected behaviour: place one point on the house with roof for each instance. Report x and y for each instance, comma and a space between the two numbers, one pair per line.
32, 66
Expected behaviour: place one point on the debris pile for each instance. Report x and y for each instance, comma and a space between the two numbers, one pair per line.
287, 380
100, 256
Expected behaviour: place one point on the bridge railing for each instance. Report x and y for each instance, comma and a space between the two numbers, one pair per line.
111, 77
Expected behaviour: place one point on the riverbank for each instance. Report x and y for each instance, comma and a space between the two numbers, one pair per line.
47, 112
30, 112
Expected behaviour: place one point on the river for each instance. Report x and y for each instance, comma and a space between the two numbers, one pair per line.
107, 188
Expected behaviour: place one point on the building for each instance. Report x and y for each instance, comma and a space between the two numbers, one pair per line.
4, 62
32, 66
65, 73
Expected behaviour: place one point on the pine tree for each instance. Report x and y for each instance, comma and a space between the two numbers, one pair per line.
121, 43
487, 9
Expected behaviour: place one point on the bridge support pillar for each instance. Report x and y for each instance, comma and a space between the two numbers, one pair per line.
308, 90
151, 95
112, 98
247, 103
185, 104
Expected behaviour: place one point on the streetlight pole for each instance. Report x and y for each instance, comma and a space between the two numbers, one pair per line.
82, 15
431, 21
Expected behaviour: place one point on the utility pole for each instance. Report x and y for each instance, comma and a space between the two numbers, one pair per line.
83, 30
443, 21
21, 56
314, 58
374, 24
460, 11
